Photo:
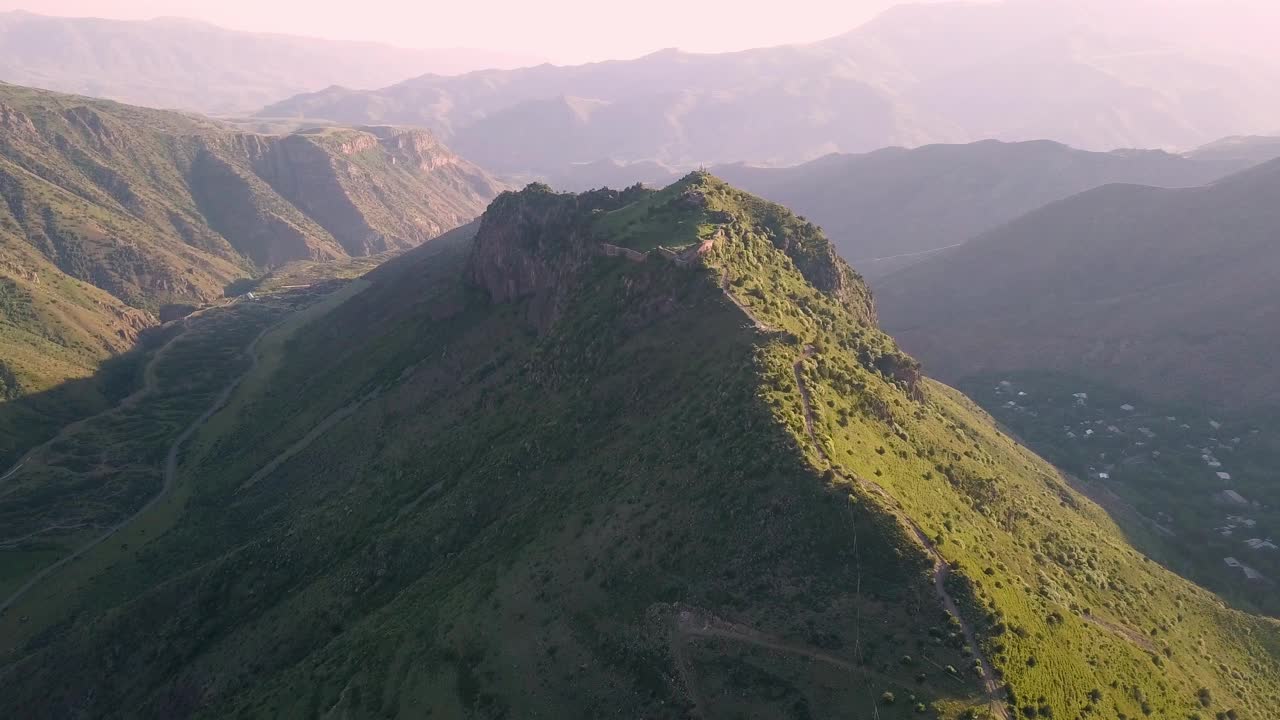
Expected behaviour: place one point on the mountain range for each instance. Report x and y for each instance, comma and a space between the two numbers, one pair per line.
113, 212
190, 65
1169, 292
892, 207
309, 415
638, 453
1095, 75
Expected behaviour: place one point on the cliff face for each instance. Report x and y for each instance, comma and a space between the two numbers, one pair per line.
532, 242
303, 173
233, 202
373, 189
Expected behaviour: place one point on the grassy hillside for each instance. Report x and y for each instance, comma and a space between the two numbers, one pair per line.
568, 469
113, 212
1156, 468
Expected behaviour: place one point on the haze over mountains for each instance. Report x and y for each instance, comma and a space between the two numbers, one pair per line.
308, 415
887, 209
951, 72
190, 65
1169, 292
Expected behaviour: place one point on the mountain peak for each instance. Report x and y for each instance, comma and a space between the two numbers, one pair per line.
535, 243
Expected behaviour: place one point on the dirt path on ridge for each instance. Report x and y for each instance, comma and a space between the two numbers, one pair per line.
941, 568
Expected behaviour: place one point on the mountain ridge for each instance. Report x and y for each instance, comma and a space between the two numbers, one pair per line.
890, 207
235, 71
894, 81
1133, 276
649, 501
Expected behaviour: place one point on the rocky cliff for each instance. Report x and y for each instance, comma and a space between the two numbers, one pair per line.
532, 243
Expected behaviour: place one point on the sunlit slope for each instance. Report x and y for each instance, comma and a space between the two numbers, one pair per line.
570, 469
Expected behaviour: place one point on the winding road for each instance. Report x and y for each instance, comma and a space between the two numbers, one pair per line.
148, 386
170, 466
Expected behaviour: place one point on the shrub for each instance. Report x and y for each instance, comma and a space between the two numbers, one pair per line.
1204, 696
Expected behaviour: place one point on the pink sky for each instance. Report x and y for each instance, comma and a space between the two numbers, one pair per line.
560, 30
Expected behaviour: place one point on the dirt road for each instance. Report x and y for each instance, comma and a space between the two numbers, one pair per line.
148, 386
170, 476
321, 428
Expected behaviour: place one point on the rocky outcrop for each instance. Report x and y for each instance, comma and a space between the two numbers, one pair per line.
903, 370
372, 189
531, 243
418, 148
816, 259
14, 122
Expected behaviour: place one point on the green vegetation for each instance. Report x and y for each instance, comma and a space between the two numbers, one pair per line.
437, 503
112, 214
102, 470
107, 474
671, 217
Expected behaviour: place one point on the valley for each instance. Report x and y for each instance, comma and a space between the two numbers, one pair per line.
880, 361
1193, 490
117, 218
106, 476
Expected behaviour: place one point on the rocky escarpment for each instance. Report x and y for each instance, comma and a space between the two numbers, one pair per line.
14, 122
531, 243
306, 175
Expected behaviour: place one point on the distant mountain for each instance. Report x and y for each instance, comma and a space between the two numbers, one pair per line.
1083, 73
622, 454
1238, 153
177, 63
889, 208
112, 212
1169, 292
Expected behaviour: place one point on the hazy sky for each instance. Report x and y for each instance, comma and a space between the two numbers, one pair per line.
560, 30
